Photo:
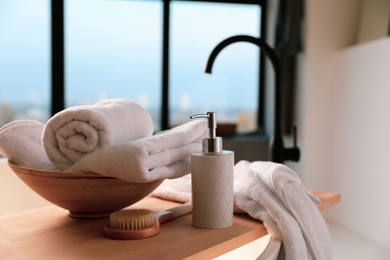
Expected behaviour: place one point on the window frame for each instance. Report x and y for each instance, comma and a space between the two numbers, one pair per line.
58, 59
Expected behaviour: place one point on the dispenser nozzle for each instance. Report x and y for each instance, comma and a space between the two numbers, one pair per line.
212, 120
212, 144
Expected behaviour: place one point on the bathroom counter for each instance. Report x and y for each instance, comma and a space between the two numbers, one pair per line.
48, 231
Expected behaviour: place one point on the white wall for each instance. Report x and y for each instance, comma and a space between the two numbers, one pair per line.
344, 95
331, 26
362, 171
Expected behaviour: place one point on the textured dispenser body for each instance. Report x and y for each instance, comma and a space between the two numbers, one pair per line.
212, 189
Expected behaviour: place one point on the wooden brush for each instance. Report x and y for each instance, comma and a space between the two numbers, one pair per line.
141, 223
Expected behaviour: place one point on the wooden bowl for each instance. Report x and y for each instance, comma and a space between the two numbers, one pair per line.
84, 195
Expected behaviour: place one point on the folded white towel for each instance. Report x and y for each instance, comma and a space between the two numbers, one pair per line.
160, 156
178, 189
20, 143
275, 195
77, 131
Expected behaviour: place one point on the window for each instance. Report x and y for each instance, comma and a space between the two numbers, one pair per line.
24, 60
196, 28
113, 49
153, 52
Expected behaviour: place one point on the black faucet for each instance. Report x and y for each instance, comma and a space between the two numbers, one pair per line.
277, 152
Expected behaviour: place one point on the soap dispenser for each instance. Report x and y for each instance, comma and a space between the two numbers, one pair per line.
212, 180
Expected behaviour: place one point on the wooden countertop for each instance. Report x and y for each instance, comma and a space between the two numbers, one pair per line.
49, 232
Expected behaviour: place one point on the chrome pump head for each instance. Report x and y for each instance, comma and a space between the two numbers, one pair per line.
213, 143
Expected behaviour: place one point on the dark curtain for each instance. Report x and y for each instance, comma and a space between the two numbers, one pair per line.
288, 43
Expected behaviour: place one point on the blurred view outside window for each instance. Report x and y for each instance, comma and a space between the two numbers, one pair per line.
114, 49
232, 88
24, 60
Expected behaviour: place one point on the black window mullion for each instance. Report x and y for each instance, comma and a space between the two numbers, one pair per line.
261, 97
57, 56
165, 68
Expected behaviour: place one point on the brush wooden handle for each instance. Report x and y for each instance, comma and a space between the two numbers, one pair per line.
159, 218
176, 212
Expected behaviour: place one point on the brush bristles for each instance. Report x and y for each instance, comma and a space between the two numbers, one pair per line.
131, 219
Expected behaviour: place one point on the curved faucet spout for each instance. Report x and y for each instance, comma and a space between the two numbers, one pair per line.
243, 38
277, 151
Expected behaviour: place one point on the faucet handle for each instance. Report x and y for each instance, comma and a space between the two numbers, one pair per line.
292, 154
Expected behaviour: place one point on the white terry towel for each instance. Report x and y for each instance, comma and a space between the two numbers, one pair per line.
77, 131
160, 156
178, 189
278, 190
20, 143
275, 195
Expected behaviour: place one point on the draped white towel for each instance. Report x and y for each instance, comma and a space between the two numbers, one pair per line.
20, 143
279, 190
164, 155
80, 130
275, 195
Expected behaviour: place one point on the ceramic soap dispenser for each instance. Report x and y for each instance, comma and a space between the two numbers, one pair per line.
212, 180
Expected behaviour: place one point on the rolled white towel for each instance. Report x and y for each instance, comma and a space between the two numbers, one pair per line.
78, 131
20, 143
164, 155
